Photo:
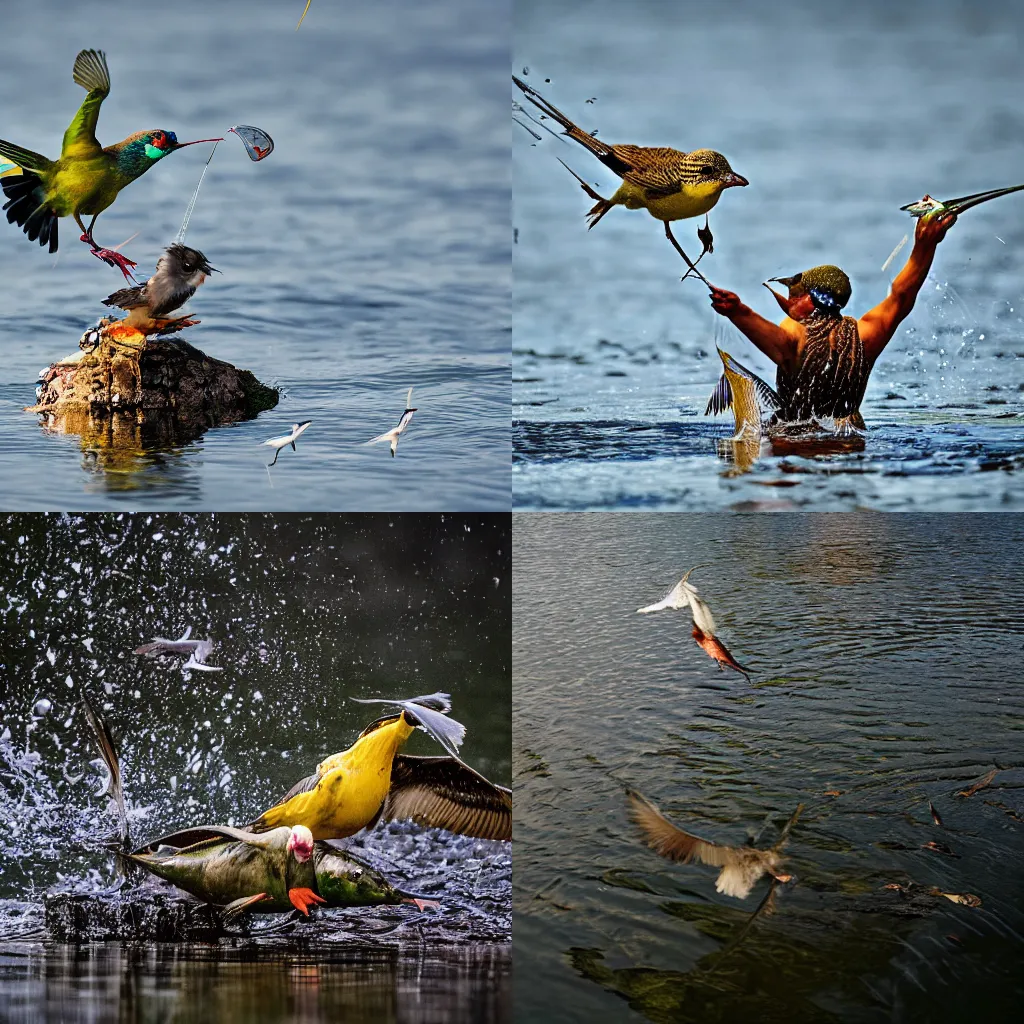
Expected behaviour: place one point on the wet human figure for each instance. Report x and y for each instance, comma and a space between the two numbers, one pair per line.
824, 359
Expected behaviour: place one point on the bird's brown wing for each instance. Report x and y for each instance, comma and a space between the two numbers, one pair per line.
444, 792
665, 838
127, 298
659, 170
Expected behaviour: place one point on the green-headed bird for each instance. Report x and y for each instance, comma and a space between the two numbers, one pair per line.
87, 177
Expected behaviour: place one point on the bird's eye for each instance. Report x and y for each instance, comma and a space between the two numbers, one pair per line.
356, 875
707, 169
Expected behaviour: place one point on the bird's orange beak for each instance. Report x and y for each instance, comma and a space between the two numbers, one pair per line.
732, 178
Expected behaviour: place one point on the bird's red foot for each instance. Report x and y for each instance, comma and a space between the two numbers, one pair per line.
303, 899
115, 259
422, 904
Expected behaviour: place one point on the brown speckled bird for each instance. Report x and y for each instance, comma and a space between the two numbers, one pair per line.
669, 184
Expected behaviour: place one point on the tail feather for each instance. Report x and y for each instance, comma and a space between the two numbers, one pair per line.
601, 150
597, 211
105, 743
90, 71
26, 206
24, 158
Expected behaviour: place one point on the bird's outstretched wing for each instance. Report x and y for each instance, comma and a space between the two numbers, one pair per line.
91, 74
25, 159
666, 839
721, 398
430, 713
444, 792
765, 392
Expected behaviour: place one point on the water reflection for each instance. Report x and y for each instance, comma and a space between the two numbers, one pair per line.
224, 985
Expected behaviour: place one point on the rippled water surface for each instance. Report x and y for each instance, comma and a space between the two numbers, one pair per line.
885, 656
368, 254
838, 115
306, 612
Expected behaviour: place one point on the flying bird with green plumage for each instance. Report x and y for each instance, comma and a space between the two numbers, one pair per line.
87, 177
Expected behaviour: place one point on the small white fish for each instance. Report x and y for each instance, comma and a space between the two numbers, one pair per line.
393, 434
286, 439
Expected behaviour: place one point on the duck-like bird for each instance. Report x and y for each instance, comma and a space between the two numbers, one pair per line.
371, 781
87, 177
179, 272
669, 184
741, 866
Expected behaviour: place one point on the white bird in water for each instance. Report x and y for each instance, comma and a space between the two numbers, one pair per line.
197, 650
287, 439
741, 866
393, 434
683, 595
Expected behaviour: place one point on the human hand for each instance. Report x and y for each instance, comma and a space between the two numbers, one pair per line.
932, 228
726, 303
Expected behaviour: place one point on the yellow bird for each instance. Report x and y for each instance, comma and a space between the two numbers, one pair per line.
669, 184
371, 781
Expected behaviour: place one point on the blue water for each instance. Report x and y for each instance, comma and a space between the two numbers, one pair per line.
368, 254
838, 114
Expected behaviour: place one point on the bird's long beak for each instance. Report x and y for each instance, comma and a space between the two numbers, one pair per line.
787, 281
783, 300
182, 145
207, 269
732, 178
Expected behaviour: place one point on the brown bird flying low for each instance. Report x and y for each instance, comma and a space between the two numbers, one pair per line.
741, 866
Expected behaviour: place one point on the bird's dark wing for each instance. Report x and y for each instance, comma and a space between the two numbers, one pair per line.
91, 74
665, 838
25, 158
444, 792
765, 392
128, 298
721, 397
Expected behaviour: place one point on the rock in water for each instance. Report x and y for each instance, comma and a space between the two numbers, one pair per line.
126, 389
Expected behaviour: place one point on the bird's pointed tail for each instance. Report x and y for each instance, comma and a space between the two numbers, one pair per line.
26, 199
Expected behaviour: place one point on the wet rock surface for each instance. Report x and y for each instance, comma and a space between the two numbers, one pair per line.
471, 879
139, 385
